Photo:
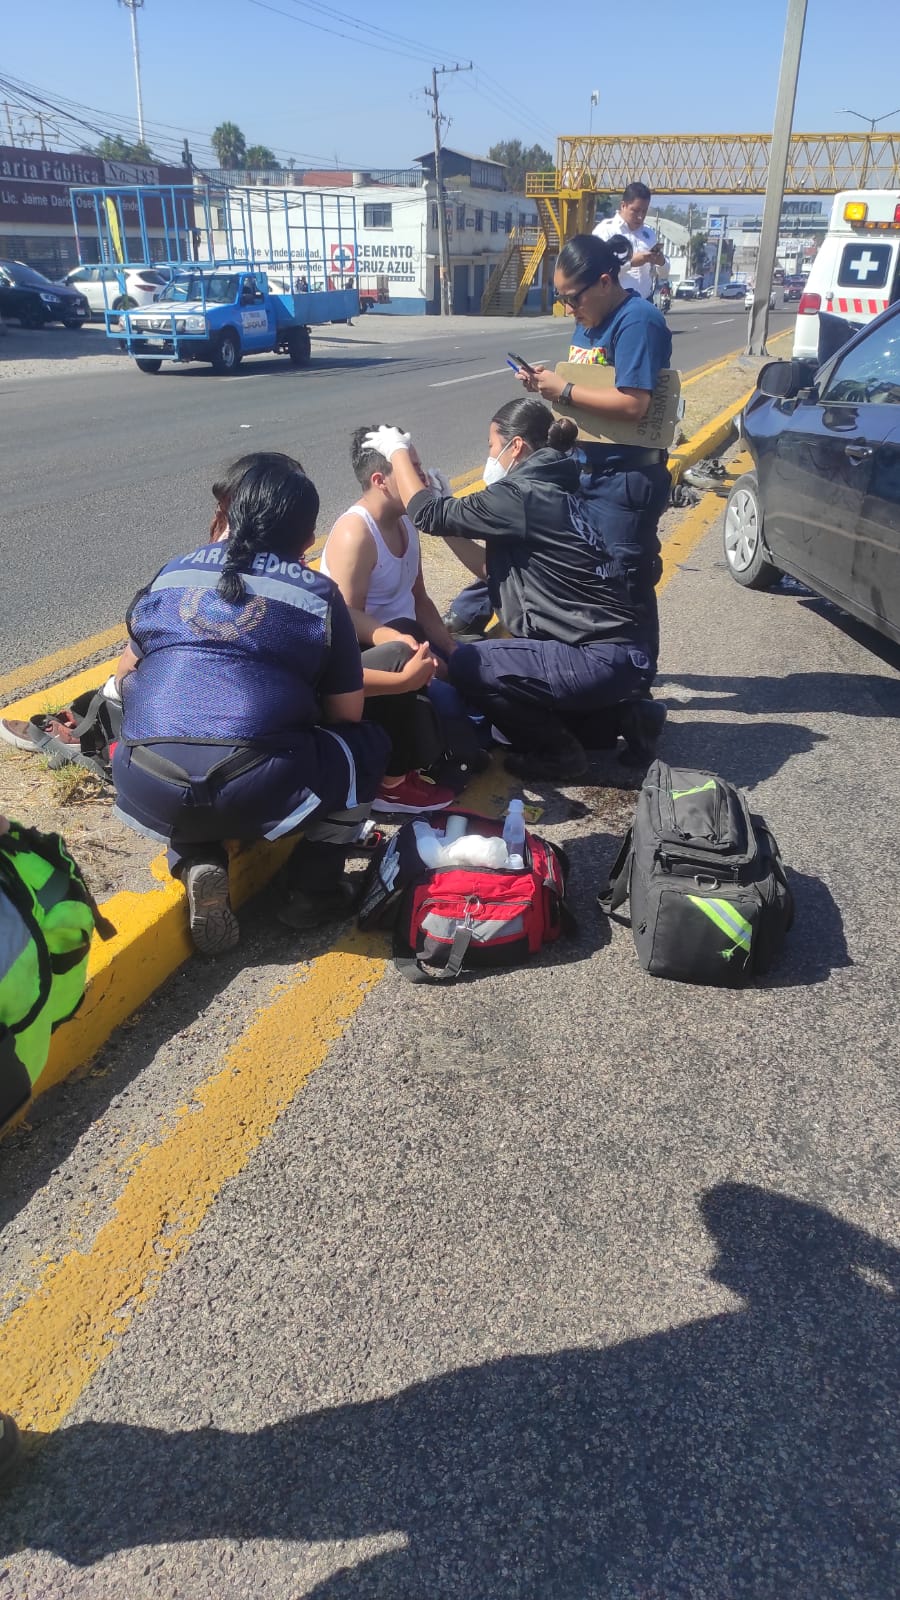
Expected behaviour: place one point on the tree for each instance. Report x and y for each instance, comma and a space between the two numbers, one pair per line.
118, 149
260, 158
517, 161
698, 253
230, 145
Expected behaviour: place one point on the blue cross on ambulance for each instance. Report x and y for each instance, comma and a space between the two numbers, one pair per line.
856, 274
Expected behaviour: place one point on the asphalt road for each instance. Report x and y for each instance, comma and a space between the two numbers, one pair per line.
107, 472
565, 1283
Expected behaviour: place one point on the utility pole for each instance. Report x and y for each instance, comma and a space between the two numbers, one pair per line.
690, 255
443, 240
778, 160
133, 6
595, 101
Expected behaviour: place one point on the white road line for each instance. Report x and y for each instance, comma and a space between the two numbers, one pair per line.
446, 382
722, 320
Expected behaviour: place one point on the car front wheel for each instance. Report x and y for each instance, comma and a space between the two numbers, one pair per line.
745, 552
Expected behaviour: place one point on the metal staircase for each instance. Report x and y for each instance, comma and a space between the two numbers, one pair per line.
504, 295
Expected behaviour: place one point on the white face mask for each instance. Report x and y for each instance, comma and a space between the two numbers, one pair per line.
494, 469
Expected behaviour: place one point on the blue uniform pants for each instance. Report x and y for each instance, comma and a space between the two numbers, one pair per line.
325, 785
527, 686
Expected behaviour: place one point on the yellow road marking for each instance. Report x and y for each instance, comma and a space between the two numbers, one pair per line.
56, 664
54, 1343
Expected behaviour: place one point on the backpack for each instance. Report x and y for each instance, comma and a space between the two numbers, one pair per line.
709, 899
447, 918
47, 918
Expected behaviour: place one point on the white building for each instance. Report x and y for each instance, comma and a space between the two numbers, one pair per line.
395, 259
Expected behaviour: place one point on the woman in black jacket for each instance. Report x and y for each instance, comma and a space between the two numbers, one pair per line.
582, 620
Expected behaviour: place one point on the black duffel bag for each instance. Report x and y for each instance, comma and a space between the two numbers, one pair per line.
709, 899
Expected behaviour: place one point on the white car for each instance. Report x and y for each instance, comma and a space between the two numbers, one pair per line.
102, 287
748, 300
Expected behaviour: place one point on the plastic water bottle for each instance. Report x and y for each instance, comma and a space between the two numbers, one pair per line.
514, 834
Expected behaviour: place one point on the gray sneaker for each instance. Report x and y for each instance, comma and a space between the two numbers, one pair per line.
214, 926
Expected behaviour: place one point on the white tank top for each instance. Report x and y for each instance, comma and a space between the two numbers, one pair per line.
390, 594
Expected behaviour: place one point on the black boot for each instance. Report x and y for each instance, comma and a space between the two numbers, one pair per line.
562, 762
321, 892
640, 723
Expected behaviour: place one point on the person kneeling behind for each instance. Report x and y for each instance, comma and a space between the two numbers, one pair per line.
582, 620
243, 703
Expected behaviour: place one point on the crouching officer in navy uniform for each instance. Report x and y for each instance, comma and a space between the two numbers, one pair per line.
582, 626
243, 703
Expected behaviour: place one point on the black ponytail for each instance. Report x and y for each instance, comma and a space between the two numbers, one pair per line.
586, 259
272, 507
534, 422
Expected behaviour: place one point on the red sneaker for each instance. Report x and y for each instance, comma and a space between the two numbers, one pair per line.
413, 795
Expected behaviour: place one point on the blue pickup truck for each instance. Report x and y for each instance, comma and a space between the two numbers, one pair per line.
249, 270
220, 314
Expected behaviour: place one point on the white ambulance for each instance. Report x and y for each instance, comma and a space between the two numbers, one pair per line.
856, 274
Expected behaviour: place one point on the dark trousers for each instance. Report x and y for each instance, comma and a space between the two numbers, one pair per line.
527, 686
324, 784
632, 504
400, 715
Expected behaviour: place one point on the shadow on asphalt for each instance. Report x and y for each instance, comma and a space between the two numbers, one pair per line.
797, 693
745, 1455
745, 753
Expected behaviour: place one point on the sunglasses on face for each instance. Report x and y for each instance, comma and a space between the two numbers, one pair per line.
571, 300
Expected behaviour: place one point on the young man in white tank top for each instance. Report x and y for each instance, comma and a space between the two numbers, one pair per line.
372, 554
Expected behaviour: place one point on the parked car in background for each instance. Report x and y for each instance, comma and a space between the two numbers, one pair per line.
749, 297
686, 290
823, 500
732, 290
31, 299
102, 286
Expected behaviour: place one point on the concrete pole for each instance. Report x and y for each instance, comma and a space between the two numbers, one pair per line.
132, 6
778, 160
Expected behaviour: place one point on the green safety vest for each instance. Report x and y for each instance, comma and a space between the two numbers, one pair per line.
47, 920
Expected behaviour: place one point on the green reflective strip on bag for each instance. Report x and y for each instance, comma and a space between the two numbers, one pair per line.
728, 921
682, 794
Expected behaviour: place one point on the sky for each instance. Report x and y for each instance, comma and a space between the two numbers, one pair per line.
357, 100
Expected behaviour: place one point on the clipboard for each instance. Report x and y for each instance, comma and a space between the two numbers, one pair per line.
655, 431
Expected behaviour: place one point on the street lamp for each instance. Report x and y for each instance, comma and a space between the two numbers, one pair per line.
595, 101
847, 111
133, 6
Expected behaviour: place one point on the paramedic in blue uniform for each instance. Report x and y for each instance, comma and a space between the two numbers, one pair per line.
614, 327
243, 703
582, 631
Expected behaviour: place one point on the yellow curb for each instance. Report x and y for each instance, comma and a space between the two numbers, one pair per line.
151, 942
708, 439
12, 683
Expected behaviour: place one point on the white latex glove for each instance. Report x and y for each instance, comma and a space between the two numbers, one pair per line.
437, 481
387, 441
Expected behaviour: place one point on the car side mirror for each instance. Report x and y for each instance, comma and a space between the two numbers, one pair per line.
783, 380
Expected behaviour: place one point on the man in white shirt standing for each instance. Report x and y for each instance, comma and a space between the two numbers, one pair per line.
647, 252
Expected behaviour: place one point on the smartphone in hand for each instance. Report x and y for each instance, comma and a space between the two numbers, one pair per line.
517, 364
